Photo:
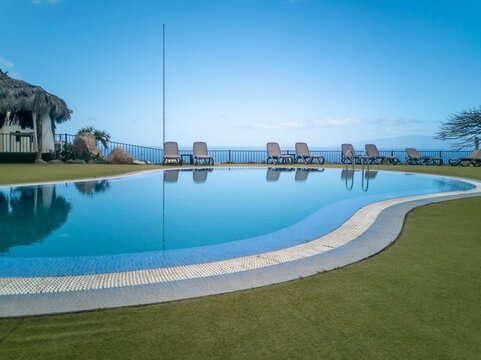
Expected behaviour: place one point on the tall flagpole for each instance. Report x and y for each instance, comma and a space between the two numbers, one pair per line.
163, 86
163, 135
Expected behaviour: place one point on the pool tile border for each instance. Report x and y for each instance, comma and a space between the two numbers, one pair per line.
366, 233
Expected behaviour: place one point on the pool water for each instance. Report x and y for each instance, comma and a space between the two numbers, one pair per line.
217, 213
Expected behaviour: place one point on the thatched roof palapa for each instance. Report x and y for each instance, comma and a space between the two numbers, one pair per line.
18, 95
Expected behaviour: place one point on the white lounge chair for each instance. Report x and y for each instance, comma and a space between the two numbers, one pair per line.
274, 154
202, 154
473, 159
415, 158
374, 157
349, 155
171, 153
303, 153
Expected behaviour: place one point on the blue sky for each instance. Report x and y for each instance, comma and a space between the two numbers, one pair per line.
242, 73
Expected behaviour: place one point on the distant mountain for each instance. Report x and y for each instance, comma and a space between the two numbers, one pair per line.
420, 142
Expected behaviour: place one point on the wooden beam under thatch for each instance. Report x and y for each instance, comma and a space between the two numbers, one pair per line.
18, 95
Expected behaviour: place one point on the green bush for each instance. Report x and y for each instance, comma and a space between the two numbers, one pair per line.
67, 152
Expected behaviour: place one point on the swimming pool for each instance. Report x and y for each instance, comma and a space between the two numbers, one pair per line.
182, 217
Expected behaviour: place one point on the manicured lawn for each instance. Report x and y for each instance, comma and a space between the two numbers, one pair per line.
23, 173
418, 299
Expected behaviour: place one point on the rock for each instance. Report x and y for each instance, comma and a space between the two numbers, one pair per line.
138, 162
55, 161
77, 161
119, 156
85, 147
39, 161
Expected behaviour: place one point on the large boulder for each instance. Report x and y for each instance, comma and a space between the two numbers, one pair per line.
85, 147
119, 156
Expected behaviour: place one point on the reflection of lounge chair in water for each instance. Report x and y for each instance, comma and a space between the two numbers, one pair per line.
473, 159
302, 174
171, 176
370, 174
415, 158
303, 153
374, 157
348, 176
200, 175
273, 174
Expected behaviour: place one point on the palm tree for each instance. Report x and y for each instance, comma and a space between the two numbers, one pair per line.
100, 135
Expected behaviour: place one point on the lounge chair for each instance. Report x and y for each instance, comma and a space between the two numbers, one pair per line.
201, 153
171, 153
303, 153
415, 158
349, 155
274, 154
374, 157
473, 159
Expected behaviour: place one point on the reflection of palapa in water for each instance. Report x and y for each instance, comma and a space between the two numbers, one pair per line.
29, 215
92, 187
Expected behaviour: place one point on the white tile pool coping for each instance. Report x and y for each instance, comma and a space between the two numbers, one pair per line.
367, 232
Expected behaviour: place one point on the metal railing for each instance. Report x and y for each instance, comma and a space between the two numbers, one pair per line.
235, 156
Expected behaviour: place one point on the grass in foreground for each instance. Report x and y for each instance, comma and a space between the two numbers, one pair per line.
419, 299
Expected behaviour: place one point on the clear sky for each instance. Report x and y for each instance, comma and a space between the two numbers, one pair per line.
241, 73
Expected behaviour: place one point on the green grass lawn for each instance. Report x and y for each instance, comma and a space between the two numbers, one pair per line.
418, 299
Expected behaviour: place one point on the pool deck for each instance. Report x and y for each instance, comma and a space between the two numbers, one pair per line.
370, 230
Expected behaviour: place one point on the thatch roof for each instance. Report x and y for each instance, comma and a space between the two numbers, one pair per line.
18, 95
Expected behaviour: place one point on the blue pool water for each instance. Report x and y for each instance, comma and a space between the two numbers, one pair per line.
182, 217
